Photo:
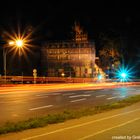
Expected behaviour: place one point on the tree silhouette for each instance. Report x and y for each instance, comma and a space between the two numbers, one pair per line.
110, 52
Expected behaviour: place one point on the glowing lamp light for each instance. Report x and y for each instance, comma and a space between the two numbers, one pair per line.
63, 74
123, 75
11, 43
19, 43
99, 77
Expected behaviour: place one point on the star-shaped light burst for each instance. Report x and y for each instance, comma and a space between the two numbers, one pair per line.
19, 42
124, 74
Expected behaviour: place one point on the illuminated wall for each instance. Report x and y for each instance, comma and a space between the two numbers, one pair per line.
75, 59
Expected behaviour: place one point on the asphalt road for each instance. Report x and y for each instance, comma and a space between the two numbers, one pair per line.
20, 103
118, 124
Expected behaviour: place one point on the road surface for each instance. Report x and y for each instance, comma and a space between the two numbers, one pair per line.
18, 103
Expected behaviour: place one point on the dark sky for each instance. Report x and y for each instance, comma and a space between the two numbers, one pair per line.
53, 19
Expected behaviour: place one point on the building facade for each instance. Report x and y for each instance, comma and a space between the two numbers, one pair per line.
69, 58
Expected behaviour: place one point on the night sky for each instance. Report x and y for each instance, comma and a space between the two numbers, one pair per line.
53, 20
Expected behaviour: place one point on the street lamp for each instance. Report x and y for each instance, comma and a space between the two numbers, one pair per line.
18, 44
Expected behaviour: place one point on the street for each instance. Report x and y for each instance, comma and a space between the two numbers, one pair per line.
24, 102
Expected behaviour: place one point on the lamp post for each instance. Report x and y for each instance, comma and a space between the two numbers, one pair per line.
17, 43
4, 62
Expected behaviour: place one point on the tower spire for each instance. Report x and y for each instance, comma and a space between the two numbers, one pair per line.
80, 35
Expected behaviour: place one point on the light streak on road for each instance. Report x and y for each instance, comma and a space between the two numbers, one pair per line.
100, 96
78, 100
48, 94
68, 94
82, 95
112, 97
41, 107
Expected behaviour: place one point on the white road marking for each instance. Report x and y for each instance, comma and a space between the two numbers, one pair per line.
112, 97
40, 95
102, 131
45, 96
48, 94
100, 96
41, 107
133, 89
122, 96
82, 95
78, 100
80, 125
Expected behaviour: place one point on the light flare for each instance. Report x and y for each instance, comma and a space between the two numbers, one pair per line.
124, 74
20, 43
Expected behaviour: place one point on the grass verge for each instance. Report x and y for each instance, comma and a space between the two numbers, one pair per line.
65, 115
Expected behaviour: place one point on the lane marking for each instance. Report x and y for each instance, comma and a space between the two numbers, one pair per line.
102, 131
82, 95
78, 100
40, 95
112, 97
68, 94
122, 96
80, 125
48, 94
100, 96
41, 107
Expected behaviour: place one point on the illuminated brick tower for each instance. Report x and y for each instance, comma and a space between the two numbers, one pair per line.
80, 35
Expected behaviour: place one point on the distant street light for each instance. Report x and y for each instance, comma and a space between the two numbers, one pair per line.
62, 74
100, 77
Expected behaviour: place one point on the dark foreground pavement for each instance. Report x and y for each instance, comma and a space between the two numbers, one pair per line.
116, 124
